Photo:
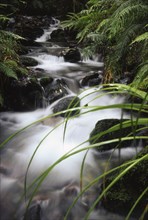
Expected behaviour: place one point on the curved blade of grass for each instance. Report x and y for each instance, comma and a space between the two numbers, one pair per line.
135, 91
33, 123
42, 177
114, 182
82, 169
92, 183
25, 180
142, 217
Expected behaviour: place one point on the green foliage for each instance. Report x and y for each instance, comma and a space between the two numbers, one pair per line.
9, 59
118, 30
10, 67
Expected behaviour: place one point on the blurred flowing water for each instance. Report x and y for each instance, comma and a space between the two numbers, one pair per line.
50, 141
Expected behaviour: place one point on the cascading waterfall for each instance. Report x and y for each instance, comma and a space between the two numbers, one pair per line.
47, 32
18, 152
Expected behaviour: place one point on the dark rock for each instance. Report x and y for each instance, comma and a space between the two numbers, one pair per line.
92, 80
44, 81
34, 213
23, 95
58, 35
97, 135
30, 28
67, 103
55, 90
132, 99
23, 50
31, 33
122, 195
72, 54
28, 42
28, 61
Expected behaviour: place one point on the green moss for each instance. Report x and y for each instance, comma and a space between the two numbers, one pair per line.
28, 61
105, 124
121, 197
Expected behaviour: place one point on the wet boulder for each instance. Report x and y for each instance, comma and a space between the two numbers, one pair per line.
67, 103
58, 35
72, 54
56, 90
100, 133
32, 34
45, 81
31, 27
92, 79
23, 95
28, 61
33, 213
122, 195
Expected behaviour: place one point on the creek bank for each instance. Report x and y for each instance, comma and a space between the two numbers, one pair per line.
30, 93
29, 27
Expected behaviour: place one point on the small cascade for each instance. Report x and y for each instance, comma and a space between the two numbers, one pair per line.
45, 101
45, 139
47, 32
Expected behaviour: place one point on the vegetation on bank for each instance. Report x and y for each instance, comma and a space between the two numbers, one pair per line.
10, 66
119, 31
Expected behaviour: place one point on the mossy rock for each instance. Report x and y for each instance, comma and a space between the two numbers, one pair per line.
58, 35
103, 125
28, 61
121, 196
71, 54
44, 81
67, 103
56, 90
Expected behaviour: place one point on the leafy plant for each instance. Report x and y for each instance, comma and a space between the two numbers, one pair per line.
10, 67
118, 30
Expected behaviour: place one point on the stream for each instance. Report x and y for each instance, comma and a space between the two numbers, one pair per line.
50, 138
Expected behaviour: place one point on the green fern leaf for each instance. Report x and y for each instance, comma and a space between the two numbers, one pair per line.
7, 71
142, 37
141, 79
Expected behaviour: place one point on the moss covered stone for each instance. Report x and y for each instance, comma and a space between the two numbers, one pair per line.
100, 133
67, 103
28, 61
122, 196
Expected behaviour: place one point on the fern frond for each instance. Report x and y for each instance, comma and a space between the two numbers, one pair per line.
127, 16
142, 37
3, 18
141, 79
7, 71
11, 34
103, 24
3, 5
124, 41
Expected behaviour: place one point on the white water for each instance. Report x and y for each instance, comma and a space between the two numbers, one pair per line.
47, 32
20, 149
